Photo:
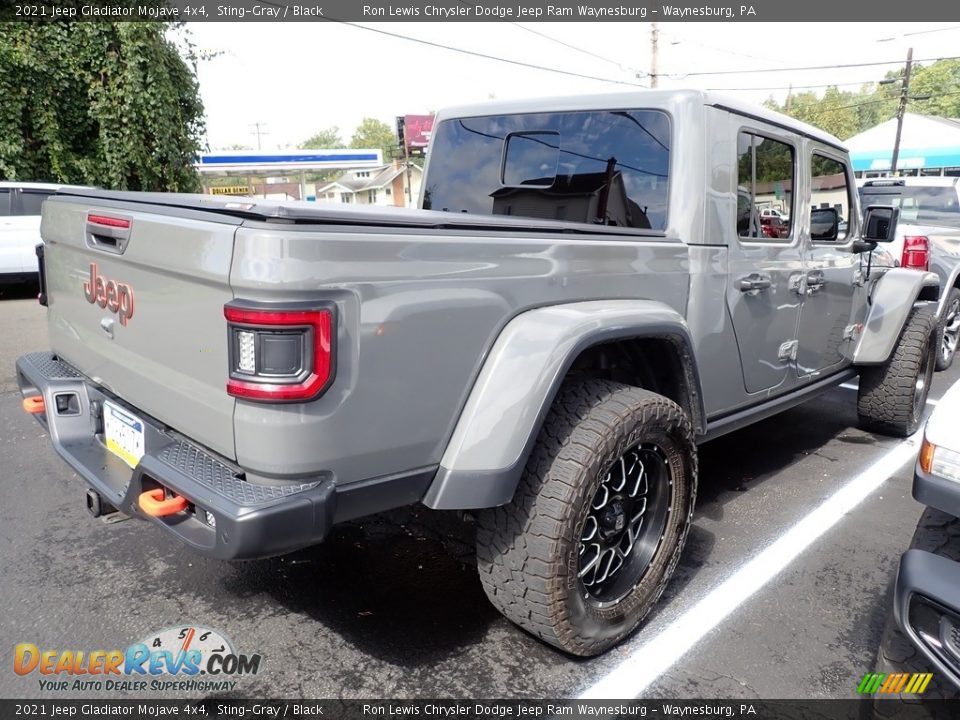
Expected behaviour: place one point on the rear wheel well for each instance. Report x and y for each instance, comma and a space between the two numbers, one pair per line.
659, 364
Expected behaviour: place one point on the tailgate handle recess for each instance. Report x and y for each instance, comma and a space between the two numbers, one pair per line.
108, 232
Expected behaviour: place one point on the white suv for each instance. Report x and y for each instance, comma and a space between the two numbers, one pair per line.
20, 204
928, 238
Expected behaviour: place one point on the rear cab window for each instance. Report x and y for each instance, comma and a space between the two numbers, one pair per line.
607, 167
5, 195
919, 204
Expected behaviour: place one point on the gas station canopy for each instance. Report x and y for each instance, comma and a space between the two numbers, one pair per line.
251, 162
926, 142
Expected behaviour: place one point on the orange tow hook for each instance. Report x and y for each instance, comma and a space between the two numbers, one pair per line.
33, 405
156, 504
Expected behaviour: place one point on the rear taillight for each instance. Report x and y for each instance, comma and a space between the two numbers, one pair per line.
916, 252
279, 354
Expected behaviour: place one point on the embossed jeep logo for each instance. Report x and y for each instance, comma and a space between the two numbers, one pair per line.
115, 296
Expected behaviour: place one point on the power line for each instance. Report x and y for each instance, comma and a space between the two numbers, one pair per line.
677, 40
793, 87
463, 51
568, 45
574, 47
473, 53
809, 67
833, 108
921, 32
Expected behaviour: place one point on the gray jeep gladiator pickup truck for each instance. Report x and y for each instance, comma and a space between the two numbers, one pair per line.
585, 295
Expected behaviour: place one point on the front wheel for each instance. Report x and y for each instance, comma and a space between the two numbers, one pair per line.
949, 330
893, 396
595, 529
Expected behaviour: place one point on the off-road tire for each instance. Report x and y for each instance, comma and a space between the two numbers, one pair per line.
951, 313
890, 400
528, 550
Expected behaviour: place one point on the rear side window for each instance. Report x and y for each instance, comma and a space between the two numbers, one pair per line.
5, 201
598, 167
31, 201
765, 173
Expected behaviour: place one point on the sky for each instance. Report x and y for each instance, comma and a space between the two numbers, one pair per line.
298, 78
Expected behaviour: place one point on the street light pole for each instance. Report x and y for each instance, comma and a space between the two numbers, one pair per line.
901, 111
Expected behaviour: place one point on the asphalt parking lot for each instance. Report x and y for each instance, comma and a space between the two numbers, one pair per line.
391, 607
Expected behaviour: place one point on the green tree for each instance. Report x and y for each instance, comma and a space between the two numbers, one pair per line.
373, 133
327, 139
109, 104
941, 82
835, 112
847, 113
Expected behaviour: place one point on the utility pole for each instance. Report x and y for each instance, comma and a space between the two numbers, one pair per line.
789, 98
258, 132
901, 111
654, 36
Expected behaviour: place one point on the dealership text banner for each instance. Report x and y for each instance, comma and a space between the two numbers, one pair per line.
471, 11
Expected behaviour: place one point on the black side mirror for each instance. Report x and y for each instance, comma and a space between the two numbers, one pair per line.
862, 246
824, 224
880, 223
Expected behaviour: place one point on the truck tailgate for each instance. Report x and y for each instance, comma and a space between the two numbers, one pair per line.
159, 342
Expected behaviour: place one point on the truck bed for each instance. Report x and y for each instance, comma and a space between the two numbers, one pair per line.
312, 213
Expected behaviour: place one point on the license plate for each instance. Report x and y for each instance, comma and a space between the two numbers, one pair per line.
123, 433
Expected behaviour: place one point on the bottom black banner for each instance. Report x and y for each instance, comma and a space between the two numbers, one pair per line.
481, 709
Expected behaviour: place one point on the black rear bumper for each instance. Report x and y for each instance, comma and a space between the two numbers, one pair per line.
226, 517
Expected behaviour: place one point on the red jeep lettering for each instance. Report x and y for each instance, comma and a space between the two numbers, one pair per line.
114, 296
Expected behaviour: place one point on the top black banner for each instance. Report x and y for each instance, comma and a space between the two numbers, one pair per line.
472, 11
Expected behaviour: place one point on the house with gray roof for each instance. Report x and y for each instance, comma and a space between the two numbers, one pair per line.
386, 185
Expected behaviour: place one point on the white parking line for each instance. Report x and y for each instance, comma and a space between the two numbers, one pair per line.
634, 674
853, 386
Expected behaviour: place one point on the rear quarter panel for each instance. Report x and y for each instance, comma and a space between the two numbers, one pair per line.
417, 315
